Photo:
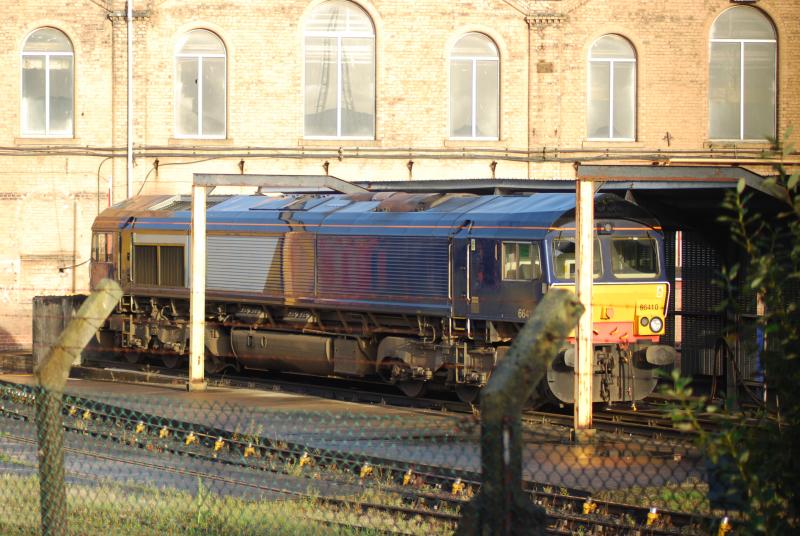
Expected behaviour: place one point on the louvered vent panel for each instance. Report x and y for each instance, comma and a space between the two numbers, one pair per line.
171, 266
145, 269
186, 205
244, 263
368, 267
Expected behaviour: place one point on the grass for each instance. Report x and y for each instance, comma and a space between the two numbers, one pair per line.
7, 459
127, 510
690, 496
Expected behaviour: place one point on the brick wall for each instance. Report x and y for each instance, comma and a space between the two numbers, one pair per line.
48, 199
671, 43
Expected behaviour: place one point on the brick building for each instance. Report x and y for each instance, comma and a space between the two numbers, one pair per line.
362, 89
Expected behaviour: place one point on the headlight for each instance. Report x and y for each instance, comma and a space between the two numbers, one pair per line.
656, 324
644, 321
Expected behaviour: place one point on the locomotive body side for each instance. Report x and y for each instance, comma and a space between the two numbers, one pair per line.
419, 289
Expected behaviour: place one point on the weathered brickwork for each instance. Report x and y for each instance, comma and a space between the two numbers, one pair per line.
50, 189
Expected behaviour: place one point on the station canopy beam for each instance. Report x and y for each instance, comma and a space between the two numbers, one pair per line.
680, 178
681, 198
688, 198
279, 182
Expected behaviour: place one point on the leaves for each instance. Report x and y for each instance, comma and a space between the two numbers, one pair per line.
788, 145
791, 184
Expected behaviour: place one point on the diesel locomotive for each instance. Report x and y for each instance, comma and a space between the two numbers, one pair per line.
416, 289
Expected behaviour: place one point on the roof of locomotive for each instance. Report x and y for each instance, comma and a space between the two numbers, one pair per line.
370, 213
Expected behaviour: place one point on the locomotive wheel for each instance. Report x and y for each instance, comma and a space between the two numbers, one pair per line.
213, 364
412, 389
541, 397
132, 357
535, 402
468, 394
171, 360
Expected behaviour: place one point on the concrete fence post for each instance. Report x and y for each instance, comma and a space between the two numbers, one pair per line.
501, 507
52, 376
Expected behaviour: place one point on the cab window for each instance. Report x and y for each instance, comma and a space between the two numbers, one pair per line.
521, 261
634, 256
102, 247
564, 262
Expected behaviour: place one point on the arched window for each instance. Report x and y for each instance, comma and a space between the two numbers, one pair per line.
47, 84
475, 88
200, 86
742, 72
339, 72
612, 89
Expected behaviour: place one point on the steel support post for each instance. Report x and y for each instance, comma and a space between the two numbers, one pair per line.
197, 303
584, 359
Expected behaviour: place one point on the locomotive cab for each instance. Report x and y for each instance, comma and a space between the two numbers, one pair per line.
630, 297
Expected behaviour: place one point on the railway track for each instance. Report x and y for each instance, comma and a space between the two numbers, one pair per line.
628, 423
424, 487
645, 422
447, 519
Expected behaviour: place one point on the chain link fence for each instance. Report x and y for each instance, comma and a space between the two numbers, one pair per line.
156, 465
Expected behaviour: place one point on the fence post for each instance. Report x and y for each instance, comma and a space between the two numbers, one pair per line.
502, 507
52, 376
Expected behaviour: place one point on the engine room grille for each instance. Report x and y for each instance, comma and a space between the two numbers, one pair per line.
170, 266
145, 269
158, 266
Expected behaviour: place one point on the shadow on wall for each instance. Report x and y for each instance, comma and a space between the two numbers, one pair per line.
13, 356
8, 342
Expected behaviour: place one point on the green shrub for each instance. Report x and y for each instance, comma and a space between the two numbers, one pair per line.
755, 462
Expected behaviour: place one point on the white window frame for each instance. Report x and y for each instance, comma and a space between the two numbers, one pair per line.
742, 43
611, 64
47, 55
200, 57
339, 36
474, 90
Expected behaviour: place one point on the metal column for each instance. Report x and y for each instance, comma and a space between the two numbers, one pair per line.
197, 305
584, 230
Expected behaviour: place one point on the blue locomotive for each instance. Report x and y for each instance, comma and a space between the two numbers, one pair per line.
418, 289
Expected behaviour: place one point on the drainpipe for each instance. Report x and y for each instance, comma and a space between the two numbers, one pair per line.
129, 174
528, 134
